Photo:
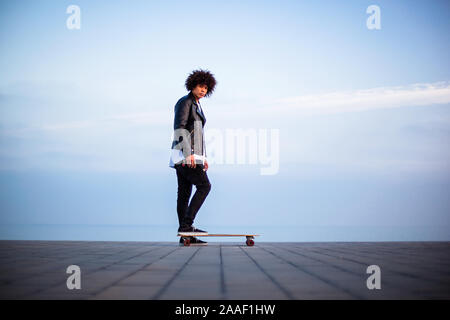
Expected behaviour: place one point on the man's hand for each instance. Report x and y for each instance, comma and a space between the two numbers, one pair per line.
190, 161
206, 165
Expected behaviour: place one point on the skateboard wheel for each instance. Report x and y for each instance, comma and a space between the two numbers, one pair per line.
250, 242
187, 242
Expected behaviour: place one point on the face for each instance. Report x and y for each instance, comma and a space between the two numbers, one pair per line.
200, 91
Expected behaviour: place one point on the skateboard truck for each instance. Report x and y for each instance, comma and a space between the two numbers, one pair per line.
186, 241
250, 242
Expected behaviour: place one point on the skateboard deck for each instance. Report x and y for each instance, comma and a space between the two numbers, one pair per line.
187, 236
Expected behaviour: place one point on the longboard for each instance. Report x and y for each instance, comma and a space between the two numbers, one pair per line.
187, 237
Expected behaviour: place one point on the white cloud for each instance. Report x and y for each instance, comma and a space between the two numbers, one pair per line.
68, 125
156, 117
421, 94
117, 121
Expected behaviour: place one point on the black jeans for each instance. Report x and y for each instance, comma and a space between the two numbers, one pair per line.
186, 178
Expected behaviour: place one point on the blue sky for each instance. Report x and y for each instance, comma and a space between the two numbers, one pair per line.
363, 115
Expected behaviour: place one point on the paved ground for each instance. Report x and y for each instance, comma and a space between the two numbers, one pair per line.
161, 270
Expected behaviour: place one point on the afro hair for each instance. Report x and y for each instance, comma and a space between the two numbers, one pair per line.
201, 77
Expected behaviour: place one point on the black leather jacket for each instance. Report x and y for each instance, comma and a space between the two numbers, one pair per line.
187, 114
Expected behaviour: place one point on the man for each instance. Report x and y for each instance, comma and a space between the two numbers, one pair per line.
188, 155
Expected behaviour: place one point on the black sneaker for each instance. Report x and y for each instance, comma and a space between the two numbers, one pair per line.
193, 241
185, 229
191, 230
198, 242
198, 230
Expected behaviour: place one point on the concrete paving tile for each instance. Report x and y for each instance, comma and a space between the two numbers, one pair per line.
16, 292
144, 278
36, 270
127, 292
191, 292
